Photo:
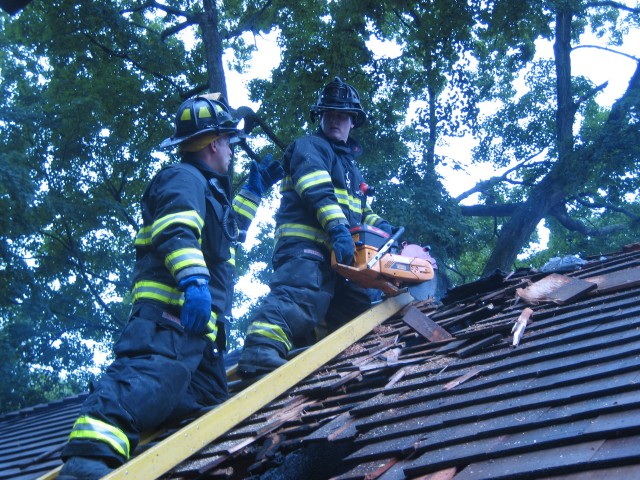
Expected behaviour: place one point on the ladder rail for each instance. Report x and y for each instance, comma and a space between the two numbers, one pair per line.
193, 437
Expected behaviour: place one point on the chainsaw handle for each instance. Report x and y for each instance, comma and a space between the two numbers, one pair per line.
397, 235
385, 248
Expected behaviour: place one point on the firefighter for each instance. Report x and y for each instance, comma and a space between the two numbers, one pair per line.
169, 359
321, 200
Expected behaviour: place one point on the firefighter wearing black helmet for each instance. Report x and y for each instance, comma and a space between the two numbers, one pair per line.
321, 199
169, 358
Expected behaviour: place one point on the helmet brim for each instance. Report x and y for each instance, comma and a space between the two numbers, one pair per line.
359, 114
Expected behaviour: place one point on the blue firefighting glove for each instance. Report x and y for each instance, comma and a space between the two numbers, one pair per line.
196, 309
386, 227
342, 244
263, 175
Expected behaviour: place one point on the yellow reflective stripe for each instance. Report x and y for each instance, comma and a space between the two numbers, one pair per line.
232, 258
299, 230
274, 332
342, 195
212, 326
372, 219
92, 429
143, 237
189, 218
344, 198
245, 207
149, 290
328, 213
286, 184
311, 179
184, 257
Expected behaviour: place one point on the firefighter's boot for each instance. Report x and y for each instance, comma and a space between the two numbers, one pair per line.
84, 468
258, 360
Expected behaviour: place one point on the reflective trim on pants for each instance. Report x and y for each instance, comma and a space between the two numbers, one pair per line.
92, 429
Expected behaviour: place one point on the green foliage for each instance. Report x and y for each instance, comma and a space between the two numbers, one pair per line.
468, 266
81, 119
89, 90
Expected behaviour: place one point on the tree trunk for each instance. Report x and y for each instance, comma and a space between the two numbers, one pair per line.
550, 191
517, 231
209, 24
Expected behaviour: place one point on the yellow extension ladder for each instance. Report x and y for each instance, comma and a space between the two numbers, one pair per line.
184, 443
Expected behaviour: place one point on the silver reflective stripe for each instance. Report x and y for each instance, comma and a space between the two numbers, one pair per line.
245, 207
328, 213
189, 218
353, 203
183, 258
311, 179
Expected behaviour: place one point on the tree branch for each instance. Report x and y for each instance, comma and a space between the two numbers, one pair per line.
486, 184
140, 7
605, 205
607, 49
560, 213
400, 17
504, 210
248, 24
115, 194
176, 28
168, 9
618, 5
591, 93
124, 56
152, 4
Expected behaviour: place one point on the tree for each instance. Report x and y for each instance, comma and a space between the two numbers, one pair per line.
90, 89
72, 124
573, 173
431, 71
89, 92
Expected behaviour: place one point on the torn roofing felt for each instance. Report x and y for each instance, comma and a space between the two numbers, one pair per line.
524, 375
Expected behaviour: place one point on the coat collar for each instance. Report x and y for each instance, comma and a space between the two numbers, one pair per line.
217, 180
351, 146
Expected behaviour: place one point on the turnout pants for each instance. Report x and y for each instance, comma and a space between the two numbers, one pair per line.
306, 295
160, 375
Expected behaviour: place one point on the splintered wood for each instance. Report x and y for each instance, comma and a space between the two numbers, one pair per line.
520, 325
555, 288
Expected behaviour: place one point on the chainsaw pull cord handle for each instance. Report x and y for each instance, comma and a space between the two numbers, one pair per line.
385, 248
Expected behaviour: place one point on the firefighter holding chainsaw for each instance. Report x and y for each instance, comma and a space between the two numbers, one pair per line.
321, 200
169, 358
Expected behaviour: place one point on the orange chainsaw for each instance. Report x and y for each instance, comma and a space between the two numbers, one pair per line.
378, 265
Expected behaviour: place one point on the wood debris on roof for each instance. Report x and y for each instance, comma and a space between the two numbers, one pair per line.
440, 391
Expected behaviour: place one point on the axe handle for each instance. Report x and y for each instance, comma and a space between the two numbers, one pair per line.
245, 146
270, 133
249, 113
